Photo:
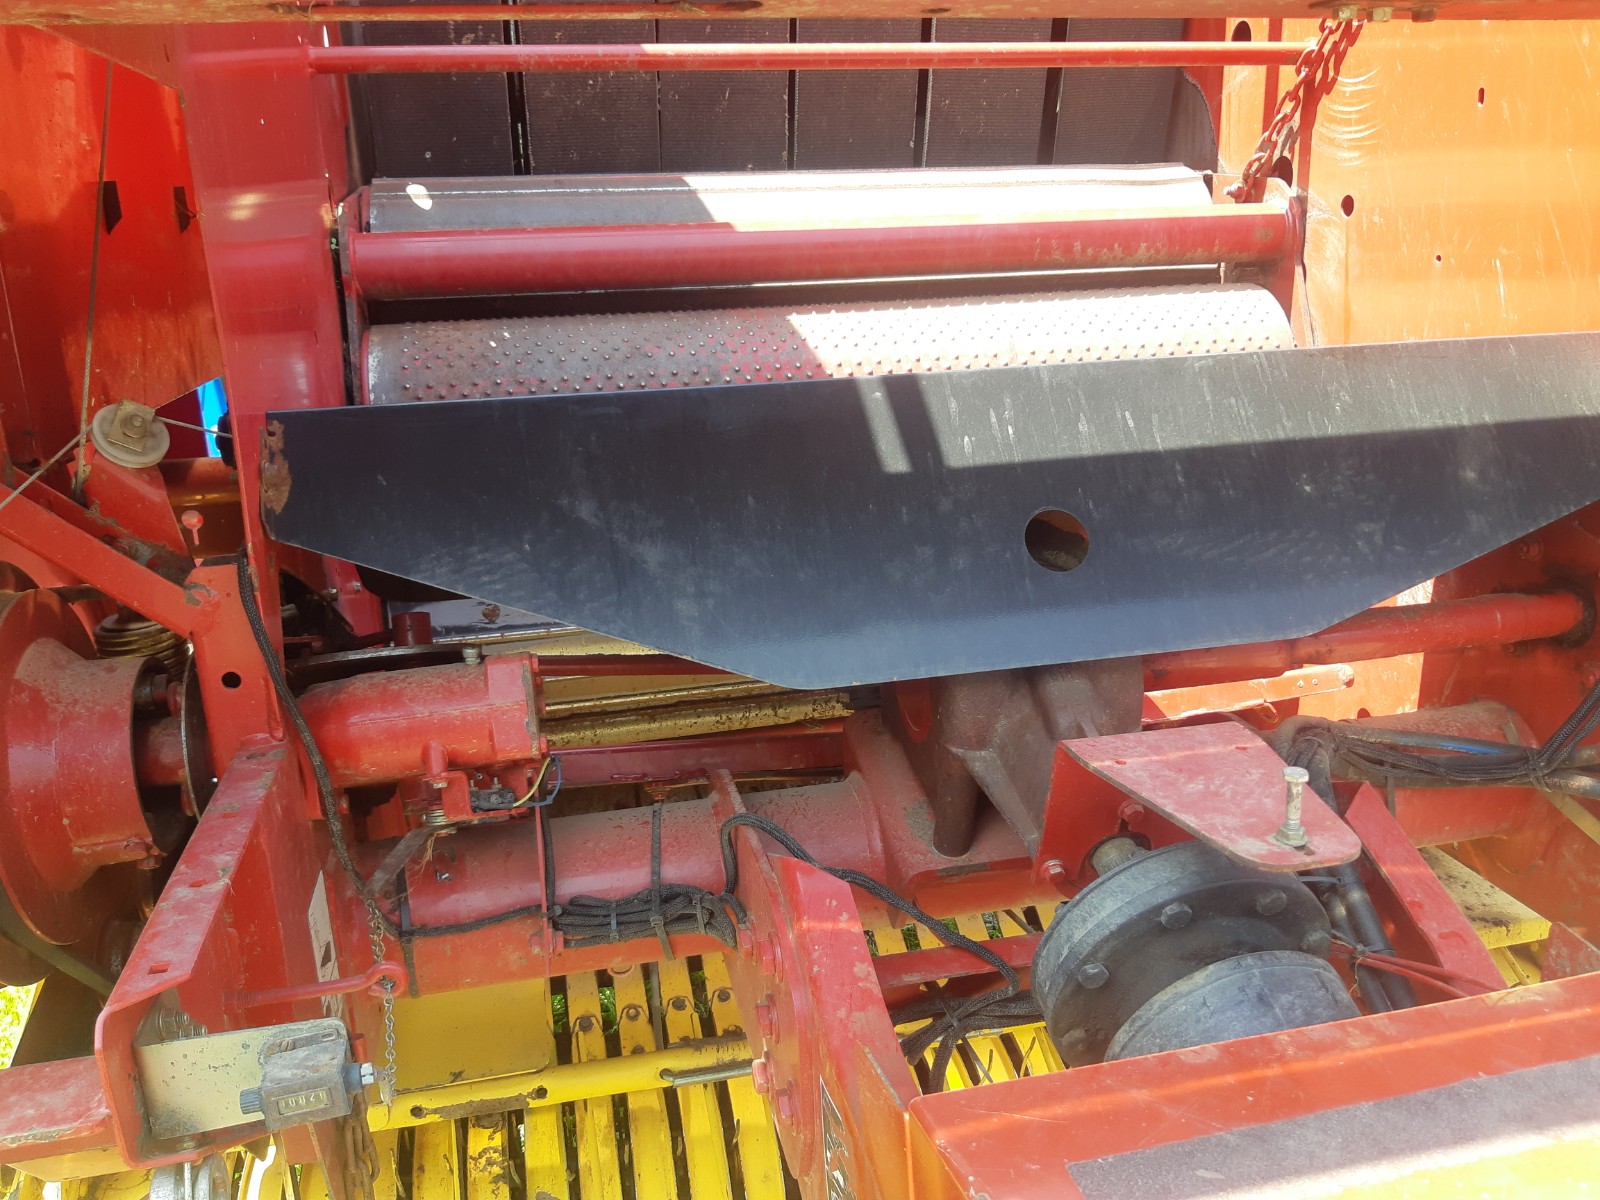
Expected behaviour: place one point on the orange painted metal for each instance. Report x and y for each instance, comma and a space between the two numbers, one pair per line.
1466, 158
1047, 1123
1495, 620
1174, 704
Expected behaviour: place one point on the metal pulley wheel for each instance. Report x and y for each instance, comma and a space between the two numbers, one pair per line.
1153, 921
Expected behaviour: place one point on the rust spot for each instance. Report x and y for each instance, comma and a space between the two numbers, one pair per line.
274, 469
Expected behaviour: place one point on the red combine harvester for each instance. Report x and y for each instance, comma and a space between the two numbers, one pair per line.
800, 598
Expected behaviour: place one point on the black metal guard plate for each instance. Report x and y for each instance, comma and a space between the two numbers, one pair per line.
827, 532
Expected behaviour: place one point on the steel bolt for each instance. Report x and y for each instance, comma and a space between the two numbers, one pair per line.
761, 1075
1093, 975
783, 1104
1291, 833
767, 956
1318, 941
1381, 14
1055, 873
1346, 12
767, 1020
1175, 916
1270, 904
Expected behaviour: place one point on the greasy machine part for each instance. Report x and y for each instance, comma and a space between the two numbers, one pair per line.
465, 360
1152, 923
782, 200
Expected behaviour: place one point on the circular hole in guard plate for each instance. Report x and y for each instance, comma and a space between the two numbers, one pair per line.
1056, 539
230, 679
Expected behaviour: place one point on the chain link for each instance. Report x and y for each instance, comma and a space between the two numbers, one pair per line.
386, 1076
1316, 68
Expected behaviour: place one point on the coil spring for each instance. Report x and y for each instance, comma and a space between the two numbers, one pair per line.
128, 635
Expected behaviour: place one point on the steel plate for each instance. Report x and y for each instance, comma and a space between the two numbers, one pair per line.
820, 533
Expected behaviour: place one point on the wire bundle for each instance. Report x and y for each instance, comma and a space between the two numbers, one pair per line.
666, 908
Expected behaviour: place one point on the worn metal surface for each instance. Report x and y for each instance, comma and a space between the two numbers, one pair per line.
813, 54
71, 808
1441, 1141
1154, 920
994, 734
192, 1085
460, 360
160, 11
1237, 1090
887, 516
774, 198
490, 262
1222, 783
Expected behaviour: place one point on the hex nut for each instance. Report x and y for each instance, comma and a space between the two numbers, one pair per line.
1177, 915
1093, 975
1270, 904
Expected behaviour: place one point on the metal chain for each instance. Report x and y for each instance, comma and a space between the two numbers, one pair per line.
1317, 66
386, 1076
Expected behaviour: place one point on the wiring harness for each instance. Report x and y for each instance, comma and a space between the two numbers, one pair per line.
663, 909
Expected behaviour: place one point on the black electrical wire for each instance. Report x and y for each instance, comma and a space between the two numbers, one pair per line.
328, 802
1371, 752
666, 908
326, 799
951, 1021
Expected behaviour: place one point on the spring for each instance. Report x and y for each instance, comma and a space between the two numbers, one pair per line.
128, 635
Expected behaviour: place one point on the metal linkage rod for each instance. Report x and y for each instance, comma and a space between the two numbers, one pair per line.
393, 266
817, 56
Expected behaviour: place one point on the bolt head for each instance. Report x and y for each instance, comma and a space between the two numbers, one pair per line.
1054, 871
1175, 916
1346, 12
1318, 942
767, 956
1270, 904
1093, 975
783, 1105
767, 1020
761, 1075
1381, 14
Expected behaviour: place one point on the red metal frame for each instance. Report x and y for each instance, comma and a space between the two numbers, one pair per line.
228, 943
1050, 1122
393, 266
1217, 782
802, 56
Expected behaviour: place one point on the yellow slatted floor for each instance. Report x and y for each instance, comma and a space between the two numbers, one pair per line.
712, 1141
986, 1058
